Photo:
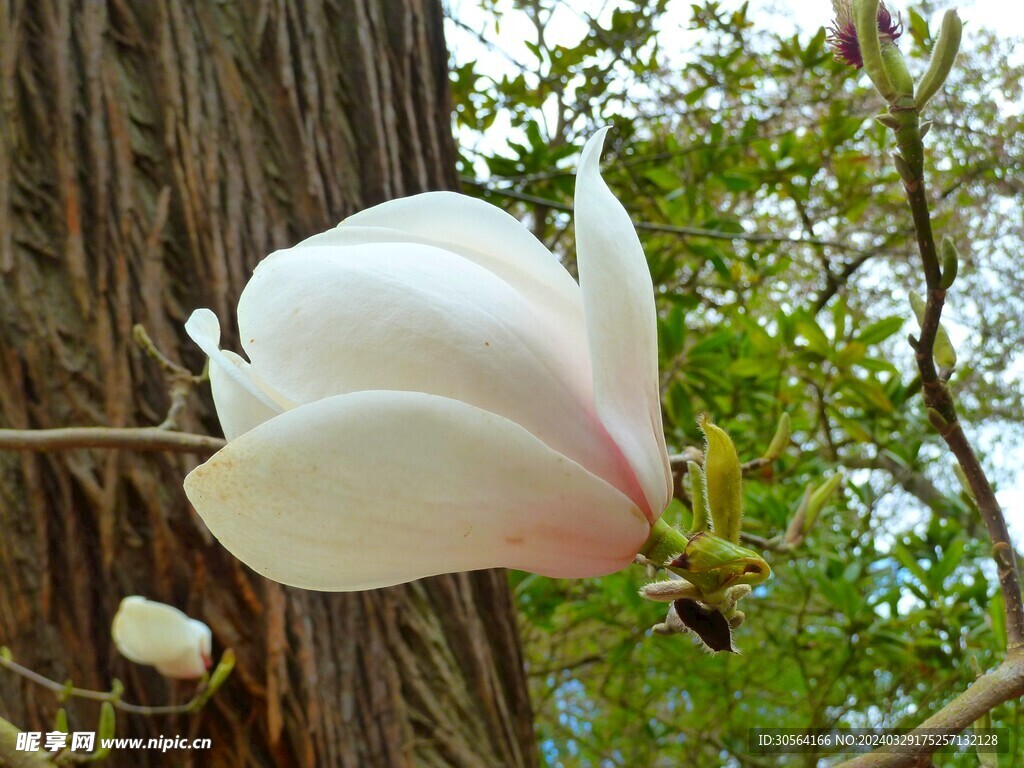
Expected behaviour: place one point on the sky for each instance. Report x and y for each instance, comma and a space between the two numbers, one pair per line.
807, 16
1006, 16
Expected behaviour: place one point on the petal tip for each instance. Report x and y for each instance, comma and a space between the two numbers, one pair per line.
203, 324
590, 158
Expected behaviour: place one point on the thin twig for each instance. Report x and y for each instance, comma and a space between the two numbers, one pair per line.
678, 461
129, 438
114, 697
713, 234
180, 380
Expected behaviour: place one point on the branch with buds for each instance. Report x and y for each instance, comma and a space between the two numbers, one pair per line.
164, 437
864, 35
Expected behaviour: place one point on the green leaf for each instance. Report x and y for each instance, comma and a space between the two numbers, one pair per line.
880, 330
908, 561
817, 341
748, 367
850, 354
951, 558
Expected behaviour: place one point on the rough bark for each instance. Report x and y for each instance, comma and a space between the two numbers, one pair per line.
150, 154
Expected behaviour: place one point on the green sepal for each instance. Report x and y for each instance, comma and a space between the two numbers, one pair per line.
217, 679
943, 57
714, 565
724, 482
697, 497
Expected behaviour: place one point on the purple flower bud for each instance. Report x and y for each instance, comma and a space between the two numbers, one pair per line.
842, 38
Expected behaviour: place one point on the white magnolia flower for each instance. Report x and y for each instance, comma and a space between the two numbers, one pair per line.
160, 635
429, 391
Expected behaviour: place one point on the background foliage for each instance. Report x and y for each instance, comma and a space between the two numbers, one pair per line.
777, 236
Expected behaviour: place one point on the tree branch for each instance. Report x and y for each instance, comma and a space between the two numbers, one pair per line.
712, 234
114, 697
937, 396
1002, 684
1006, 681
130, 438
914, 483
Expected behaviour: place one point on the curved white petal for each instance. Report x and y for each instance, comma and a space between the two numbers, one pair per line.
475, 230
618, 301
378, 488
149, 632
241, 401
237, 408
398, 316
188, 666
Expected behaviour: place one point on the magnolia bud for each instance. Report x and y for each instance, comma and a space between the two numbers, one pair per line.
818, 498
865, 19
943, 55
950, 262
943, 351
780, 442
148, 632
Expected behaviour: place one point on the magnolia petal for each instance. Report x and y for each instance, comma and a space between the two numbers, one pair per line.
237, 408
378, 488
241, 401
148, 632
618, 301
188, 666
330, 320
475, 230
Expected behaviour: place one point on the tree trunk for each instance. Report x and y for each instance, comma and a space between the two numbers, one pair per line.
151, 153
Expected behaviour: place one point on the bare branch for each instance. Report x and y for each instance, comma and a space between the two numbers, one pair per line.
129, 438
1004, 683
114, 697
180, 380
712, 234
937, 396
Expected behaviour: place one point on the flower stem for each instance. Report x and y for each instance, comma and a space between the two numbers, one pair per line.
663, 543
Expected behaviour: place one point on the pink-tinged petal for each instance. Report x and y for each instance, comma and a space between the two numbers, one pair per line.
378, 488
328, 320
189, 665
148, 632
241, 401
618, 301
